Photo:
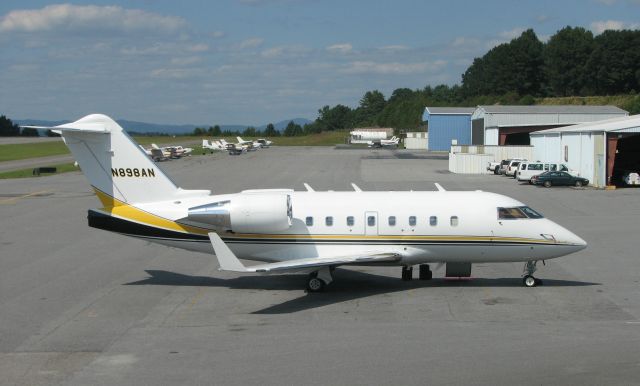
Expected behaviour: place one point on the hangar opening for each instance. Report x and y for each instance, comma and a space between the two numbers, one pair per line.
627, 157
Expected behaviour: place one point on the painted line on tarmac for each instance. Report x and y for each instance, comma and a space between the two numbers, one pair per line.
13, 200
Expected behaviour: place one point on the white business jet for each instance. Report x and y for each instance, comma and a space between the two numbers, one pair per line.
308, 231
393, 141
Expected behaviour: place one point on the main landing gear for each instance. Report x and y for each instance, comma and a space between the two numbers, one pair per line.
527, 279
424, 272
319, 279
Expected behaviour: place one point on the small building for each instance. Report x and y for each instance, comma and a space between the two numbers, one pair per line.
416, 140
446, 125
602, 151
511, 125
366, 134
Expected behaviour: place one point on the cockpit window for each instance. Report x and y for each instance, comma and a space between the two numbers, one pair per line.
517, 213
530, 212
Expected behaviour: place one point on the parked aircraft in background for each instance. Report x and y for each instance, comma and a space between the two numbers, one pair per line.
212, 146
393, 141
309, 231
254, 144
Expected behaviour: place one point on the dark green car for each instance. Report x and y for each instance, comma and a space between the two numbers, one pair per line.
548, 179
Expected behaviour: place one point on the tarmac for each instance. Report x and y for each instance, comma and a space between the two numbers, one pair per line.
80, 306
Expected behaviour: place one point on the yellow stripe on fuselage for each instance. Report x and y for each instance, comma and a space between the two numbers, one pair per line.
123, 210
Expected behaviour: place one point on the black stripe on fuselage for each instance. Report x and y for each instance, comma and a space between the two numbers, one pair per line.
114, 224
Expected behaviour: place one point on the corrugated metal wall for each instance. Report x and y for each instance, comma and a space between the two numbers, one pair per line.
577, 150
542, 119
467, 163
443, 128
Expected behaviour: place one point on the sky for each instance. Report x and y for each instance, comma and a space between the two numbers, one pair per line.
252, 62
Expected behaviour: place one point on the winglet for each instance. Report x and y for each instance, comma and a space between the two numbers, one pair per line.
440, 188
308, 187
227, 260
356, 188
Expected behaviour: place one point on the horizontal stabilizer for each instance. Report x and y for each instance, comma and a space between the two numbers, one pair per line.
229, 262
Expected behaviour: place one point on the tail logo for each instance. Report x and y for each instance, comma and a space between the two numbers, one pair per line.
133, 172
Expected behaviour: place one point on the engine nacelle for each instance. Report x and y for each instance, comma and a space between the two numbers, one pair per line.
247, 213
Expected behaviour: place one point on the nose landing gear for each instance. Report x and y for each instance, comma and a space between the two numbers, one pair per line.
528, 280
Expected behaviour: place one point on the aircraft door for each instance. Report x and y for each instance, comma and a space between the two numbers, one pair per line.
371, 223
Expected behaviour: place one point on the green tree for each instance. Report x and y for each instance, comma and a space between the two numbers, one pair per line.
566, 55
29, 132
249, 131
371, 104
614, 63
335, 118
270, 131
198, 131
8, 128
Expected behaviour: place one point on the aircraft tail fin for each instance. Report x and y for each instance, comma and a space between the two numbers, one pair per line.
115, 166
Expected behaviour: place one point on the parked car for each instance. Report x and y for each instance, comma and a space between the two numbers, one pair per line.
548, 179
528, 169
513, 166
631, 178
493, 167
504, 165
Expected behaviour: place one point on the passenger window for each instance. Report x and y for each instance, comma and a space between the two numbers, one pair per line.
454, 221
564, 168
309, 221
523, 166
554, 167
392, 221
371, 221
350, 221
412, 221
433, 221
328, 221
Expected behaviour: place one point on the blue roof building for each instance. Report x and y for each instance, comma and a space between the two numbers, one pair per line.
447, 123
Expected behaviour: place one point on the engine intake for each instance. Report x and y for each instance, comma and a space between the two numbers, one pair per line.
247, 213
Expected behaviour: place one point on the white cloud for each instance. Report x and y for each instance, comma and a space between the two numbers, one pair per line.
185, 61
600, 26
370, 67
218, 34
395, 47
342, 48
175, 73
198, 48
251, 43
69, 17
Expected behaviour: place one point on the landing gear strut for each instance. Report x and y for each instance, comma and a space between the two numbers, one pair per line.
528, 280
318, 280
407, 273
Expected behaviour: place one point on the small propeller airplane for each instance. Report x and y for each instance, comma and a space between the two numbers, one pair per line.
393, 141
308, 231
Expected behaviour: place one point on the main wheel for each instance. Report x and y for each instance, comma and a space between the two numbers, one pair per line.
578, 183
529, 281
547, 184
315, 284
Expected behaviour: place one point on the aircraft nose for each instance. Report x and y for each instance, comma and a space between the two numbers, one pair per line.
570, 238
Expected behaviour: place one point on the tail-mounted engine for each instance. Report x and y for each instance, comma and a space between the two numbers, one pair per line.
247, 213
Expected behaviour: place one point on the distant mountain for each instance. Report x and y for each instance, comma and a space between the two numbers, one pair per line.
145, 127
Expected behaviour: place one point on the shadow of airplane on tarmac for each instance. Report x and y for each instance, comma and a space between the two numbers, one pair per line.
349, 285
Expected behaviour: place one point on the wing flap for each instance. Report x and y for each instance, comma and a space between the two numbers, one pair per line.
229, 262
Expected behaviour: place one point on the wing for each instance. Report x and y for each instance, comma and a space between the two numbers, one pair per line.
229, 262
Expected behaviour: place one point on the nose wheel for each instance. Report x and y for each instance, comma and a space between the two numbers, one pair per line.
528, 280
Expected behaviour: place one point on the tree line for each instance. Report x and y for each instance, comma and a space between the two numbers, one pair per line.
571, 63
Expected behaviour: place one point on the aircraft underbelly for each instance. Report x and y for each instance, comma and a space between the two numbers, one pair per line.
412, 254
